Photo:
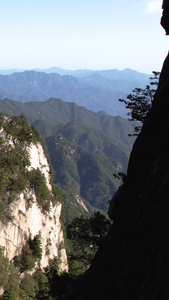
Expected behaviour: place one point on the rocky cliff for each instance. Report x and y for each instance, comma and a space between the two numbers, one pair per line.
25, 182
133, 262
165, 16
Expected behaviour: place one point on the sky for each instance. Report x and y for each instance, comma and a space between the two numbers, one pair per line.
82, 34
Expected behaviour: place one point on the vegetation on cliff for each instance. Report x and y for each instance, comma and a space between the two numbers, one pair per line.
16, 137
84, 236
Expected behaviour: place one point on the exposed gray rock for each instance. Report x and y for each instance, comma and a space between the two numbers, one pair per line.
27, 221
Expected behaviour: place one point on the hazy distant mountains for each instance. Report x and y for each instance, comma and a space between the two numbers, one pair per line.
95, 90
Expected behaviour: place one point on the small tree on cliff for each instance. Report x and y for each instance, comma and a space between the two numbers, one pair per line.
140, 101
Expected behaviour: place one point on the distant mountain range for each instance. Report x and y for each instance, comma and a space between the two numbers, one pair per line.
110, 73
95, 90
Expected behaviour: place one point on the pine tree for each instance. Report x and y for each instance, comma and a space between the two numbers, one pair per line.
140, 102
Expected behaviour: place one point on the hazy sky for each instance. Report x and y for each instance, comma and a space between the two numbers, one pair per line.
72, 34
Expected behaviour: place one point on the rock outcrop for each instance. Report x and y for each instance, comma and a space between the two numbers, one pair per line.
133, 262
165, 17
26, 218
30, 222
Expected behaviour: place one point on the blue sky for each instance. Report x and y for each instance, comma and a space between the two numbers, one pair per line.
91, 34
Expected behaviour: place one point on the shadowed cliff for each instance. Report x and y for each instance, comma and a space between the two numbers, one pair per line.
133, 262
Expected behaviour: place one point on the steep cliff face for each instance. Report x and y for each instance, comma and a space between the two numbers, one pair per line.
133, 263
29, 222
24, 217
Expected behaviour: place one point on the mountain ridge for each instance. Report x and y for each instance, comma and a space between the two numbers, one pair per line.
62, 112
96, 90
63, 71
81, 135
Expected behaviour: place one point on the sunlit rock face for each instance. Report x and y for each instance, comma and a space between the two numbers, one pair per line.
165, 17
133, 262
28, 219
29, 222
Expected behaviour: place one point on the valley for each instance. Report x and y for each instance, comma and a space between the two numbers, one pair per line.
85, 148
